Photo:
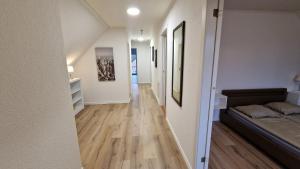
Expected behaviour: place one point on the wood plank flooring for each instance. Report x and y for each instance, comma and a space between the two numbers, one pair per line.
136, 136
230, 151
127, 136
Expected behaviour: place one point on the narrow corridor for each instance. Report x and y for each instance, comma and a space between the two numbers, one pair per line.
127, 136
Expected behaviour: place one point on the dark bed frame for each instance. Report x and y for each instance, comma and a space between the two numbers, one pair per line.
284, 153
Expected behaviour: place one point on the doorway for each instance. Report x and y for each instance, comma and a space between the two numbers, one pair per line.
141, 62
214, 19
164, 70
134, 72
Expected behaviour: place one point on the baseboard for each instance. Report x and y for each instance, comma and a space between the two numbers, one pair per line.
108, 102
179, 146
144, 83
157, 99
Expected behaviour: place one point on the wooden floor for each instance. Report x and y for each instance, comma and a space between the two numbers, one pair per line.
136, 136
127, 136
230, 151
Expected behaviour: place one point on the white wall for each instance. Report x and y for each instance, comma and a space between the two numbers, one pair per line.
143, 61
259, 49
156, 81
37, 126
96, 92
155, 72
183, 120
81, 28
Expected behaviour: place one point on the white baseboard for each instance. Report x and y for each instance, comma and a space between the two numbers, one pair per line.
108, 102
179, 146
156, 97
145, 83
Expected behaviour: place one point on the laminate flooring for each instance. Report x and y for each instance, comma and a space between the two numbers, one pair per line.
127, 136
137, 136
230, 151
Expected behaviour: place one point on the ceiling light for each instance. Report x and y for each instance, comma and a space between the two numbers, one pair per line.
133, 11
141, 39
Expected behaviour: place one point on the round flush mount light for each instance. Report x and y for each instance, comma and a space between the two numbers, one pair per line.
133, 11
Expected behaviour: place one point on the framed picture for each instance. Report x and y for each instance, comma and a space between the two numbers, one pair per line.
105, 64
152, 53
178, 62
155, 58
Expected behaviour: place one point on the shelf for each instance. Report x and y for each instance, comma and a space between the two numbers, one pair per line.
74, 80
76, 100
75, 86
75, 91
76, 95
78, 107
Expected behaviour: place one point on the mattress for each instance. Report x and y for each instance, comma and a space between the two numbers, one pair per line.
295, 118
286, 128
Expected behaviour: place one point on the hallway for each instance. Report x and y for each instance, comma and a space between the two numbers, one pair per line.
127, 136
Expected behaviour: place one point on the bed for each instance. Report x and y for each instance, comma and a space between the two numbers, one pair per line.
279, 143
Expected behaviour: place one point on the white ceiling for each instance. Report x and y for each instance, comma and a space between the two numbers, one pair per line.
282, 5
113, 12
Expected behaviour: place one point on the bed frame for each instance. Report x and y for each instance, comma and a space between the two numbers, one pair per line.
281, 151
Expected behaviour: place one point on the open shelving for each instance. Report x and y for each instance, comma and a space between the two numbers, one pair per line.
77, 98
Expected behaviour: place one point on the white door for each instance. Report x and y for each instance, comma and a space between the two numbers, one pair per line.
209, 77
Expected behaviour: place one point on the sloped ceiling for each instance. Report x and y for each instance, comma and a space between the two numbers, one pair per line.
81, 28
114, 14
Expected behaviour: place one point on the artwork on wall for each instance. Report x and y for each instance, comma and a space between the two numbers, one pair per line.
155, 58
152, 51
177, 63
105, 63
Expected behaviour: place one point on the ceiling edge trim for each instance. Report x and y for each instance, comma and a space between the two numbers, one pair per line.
93, 12
170, 7
86, 50
90, 46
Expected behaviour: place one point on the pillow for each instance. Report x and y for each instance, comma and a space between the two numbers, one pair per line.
257, 111
284, 107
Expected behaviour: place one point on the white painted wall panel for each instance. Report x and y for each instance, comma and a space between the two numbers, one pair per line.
37, 125
117, 91
259, 49
183, 120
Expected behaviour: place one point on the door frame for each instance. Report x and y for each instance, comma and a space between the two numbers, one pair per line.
213, 28
164, 45
136, 60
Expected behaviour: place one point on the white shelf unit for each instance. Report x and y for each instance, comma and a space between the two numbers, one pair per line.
76, 92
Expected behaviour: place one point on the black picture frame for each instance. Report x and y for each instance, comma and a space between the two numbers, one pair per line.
179, 101
155, 58
152, 50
